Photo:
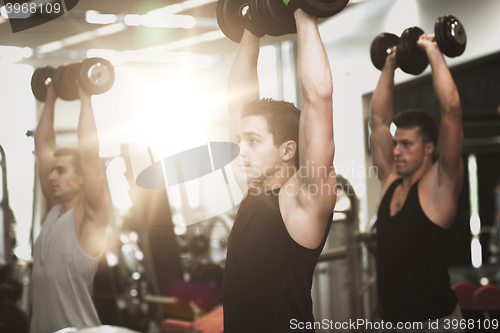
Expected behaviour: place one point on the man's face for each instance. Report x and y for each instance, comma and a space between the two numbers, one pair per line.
65, 181
259, 158
409, 150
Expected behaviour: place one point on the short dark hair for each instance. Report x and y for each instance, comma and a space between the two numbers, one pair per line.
70, 151
426, 124
282, 120
421, 119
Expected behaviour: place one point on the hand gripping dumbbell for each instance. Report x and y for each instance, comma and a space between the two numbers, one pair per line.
449, 34
268, 17
95, 76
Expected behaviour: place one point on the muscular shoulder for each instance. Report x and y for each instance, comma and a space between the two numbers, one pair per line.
438, 197
391, 178
304, 224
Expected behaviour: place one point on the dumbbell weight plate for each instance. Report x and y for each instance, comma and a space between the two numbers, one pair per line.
39, 82
61, 87
279, 17
440, 35
418, 60
450, 35
258, 12
251, 24
381, 47
230, 18
403, 54
322, 8
267, 16
255, 17
69, 76
96, 76
409, 56
456, 32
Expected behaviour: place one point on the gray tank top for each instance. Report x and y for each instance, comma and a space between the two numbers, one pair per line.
62, 277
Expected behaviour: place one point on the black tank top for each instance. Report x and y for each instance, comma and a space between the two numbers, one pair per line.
268, 276
412, 272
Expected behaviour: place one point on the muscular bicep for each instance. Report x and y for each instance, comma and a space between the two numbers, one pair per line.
243, 83
316, 141
450, 146
316, 152
96, 200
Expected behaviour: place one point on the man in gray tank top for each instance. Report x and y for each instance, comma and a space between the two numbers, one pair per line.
72, 239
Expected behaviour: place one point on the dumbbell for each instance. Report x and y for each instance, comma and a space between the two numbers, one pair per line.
95, 75
449, 34
268, 17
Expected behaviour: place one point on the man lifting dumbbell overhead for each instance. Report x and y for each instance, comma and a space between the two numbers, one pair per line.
419, 197
282, 223
67, 251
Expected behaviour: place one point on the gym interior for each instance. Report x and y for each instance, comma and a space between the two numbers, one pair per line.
163, 263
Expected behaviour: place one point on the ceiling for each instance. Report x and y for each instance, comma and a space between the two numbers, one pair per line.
70, 36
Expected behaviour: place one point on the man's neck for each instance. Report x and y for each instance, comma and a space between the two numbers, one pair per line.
72, 203
277, 180
411, 179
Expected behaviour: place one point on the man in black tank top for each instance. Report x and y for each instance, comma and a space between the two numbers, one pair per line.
283, 222
419, 198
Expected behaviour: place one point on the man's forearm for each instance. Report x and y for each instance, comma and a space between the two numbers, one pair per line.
88, 142
444, 86
45, 136
313, 65
381, 105
243, 85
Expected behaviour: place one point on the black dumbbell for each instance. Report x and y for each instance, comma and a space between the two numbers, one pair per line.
95, 76
449, 34
268, 17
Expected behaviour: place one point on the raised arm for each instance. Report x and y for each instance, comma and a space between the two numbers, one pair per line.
381, 113
243, 85
96, 211
449, 164
45, 145
242, 88
316, 144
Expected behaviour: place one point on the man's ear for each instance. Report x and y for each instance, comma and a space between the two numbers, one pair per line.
288, 149
429, 148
